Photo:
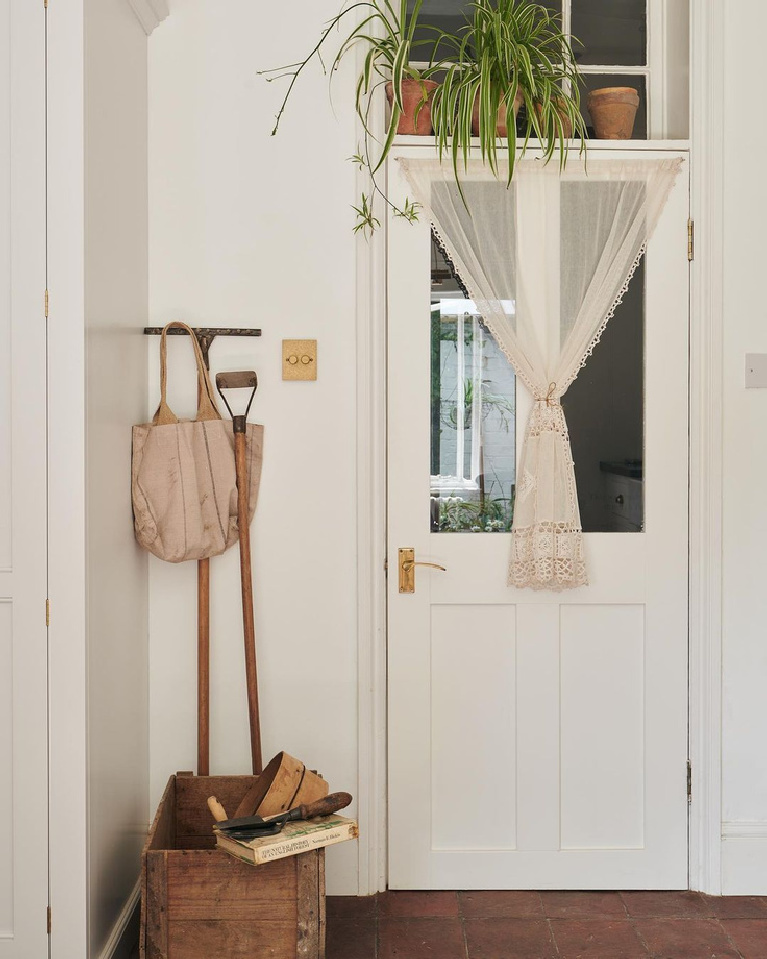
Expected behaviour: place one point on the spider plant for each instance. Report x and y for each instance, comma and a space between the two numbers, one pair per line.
385, 28
506, 48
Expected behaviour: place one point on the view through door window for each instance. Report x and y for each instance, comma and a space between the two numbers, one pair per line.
474, 424
473, 414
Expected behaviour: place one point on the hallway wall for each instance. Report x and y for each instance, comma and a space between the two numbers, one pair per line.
251, 230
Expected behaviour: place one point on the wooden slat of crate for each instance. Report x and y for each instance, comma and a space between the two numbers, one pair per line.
231, 940
309, 904
205, 883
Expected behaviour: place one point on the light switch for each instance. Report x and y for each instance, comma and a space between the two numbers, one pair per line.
756, 371
299, 359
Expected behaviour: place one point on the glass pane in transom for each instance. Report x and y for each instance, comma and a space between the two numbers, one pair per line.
613, 32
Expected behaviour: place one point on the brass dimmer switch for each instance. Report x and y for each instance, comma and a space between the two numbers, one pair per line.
299, 359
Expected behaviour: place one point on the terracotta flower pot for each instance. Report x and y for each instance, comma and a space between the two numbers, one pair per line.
413, 95
502, 127
613, 111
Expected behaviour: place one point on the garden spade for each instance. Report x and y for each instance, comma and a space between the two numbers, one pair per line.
242, 381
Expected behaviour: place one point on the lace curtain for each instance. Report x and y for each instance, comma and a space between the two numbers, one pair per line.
546, 261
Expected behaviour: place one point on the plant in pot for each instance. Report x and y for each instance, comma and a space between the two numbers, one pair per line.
385, 29
509, 54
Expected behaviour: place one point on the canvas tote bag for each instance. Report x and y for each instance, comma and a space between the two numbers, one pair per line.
184, 485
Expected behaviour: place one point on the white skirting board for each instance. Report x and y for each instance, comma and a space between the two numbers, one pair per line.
113, 948
744, 858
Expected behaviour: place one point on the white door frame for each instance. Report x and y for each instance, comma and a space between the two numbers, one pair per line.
706, 443
706, 392
66, 489
24, 573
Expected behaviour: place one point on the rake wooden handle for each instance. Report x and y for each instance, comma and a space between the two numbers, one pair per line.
248, 623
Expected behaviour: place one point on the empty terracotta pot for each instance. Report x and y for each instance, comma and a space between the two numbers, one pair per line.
413, 93
502, 113
613, 111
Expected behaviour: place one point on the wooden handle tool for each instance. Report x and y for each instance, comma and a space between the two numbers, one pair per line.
237, 381
216, 809
255, 825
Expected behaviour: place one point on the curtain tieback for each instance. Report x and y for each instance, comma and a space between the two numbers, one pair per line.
550, 399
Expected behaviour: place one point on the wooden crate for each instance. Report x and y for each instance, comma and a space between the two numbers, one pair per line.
201, 903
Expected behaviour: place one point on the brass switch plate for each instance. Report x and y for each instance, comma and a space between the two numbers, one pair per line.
299, 359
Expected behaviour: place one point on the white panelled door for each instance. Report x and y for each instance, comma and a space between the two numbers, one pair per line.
537, 739
23, 634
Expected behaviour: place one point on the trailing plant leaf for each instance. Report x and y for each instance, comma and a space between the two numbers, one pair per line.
365, 218
386, 29
409, 211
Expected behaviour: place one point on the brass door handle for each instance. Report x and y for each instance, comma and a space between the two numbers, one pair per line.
407, 565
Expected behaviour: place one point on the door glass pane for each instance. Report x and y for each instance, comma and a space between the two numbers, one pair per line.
473, 404
596, 81
605, 417
611, 31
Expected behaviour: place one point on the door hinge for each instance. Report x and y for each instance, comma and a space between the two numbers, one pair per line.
689, 781
46, 297
49, 908
47, 612
690, 240
386, 567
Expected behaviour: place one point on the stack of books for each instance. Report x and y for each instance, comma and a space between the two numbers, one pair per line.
295, 838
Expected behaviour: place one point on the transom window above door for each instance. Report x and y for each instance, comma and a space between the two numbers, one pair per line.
642, 44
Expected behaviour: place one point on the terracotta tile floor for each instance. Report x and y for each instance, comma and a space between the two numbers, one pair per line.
547, 925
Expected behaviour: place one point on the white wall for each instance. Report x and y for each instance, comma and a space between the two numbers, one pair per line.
745, 465
116, 300
248, 230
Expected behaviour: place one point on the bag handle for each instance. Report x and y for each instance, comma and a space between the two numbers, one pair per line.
206, 407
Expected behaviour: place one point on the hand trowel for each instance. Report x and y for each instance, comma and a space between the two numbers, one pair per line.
254, 827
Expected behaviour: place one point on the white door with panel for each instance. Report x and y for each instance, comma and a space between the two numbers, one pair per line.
537, 739
23, 634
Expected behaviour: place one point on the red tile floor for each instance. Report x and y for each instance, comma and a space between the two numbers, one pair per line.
547, 925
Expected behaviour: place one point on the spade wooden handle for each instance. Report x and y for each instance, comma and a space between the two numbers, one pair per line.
326, 806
